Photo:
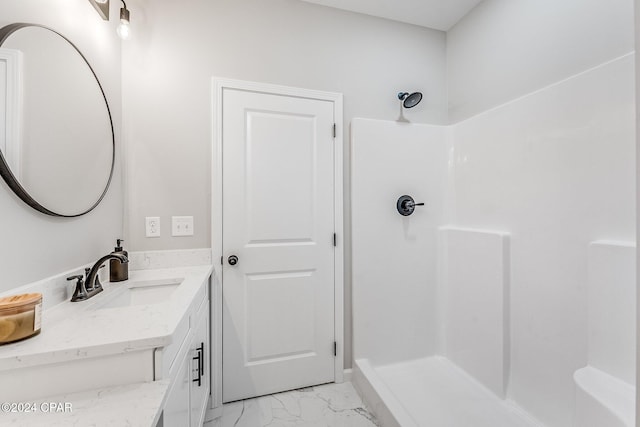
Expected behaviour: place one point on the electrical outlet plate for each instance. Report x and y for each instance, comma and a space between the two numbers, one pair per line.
182, 226
152, 226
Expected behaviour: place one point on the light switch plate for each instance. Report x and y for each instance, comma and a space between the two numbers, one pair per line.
182, 226
152, 226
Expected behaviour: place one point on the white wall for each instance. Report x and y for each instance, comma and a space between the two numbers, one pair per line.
175, 49
637, 92
556, 169
504, 49
395, 257
35, 246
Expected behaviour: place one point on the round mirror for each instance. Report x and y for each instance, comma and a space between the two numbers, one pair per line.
57, 146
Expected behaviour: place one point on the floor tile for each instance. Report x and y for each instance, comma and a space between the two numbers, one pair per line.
329, 405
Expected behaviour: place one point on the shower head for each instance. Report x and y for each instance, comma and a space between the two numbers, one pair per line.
410, 100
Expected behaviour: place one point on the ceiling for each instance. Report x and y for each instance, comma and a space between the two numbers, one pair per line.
437, 14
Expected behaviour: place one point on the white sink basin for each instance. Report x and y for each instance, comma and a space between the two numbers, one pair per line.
142, 293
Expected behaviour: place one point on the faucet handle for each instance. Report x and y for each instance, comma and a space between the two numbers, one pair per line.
80, 292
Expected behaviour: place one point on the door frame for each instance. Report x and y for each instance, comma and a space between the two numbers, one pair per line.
218, 85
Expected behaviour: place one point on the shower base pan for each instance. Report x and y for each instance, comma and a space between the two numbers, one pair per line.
433, 392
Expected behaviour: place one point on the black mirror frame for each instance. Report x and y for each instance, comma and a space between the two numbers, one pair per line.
5, 170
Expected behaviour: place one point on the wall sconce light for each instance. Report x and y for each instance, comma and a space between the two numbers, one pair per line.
123, 29
102, 7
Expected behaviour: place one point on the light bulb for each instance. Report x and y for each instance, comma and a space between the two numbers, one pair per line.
123, 30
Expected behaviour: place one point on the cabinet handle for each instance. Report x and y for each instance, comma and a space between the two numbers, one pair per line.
201, 362
200, 359
199, 379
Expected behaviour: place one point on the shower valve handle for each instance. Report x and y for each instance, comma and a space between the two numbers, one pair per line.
406, 205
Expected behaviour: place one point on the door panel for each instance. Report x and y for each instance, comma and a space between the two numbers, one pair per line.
268, 137
278, 219
294, 324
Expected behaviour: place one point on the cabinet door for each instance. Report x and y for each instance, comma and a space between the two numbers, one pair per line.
177, 410
200, 375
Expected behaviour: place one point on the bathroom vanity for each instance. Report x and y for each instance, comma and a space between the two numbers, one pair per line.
139, 353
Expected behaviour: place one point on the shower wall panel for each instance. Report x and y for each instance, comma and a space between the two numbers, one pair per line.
556, 169
612, 309
474, 295
395, 256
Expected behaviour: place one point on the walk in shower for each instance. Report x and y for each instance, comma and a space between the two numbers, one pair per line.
508, 299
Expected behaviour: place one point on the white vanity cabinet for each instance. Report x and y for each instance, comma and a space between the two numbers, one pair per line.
200, 367
186, 362
158, 353
176, 409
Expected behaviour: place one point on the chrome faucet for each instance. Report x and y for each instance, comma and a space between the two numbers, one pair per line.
90, 287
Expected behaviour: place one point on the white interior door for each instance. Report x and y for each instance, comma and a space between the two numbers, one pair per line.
278, 220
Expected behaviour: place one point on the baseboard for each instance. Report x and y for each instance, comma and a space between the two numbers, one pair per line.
212, 413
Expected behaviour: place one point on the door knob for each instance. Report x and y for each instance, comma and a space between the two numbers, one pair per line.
233, 260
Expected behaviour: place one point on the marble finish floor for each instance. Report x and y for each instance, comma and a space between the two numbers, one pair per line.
329, 405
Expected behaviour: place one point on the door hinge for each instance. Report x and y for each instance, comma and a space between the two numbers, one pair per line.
335, 239
222, 260
335, 348
334, 130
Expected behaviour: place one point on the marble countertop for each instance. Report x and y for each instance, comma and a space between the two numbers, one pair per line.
79, 330
135, 405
